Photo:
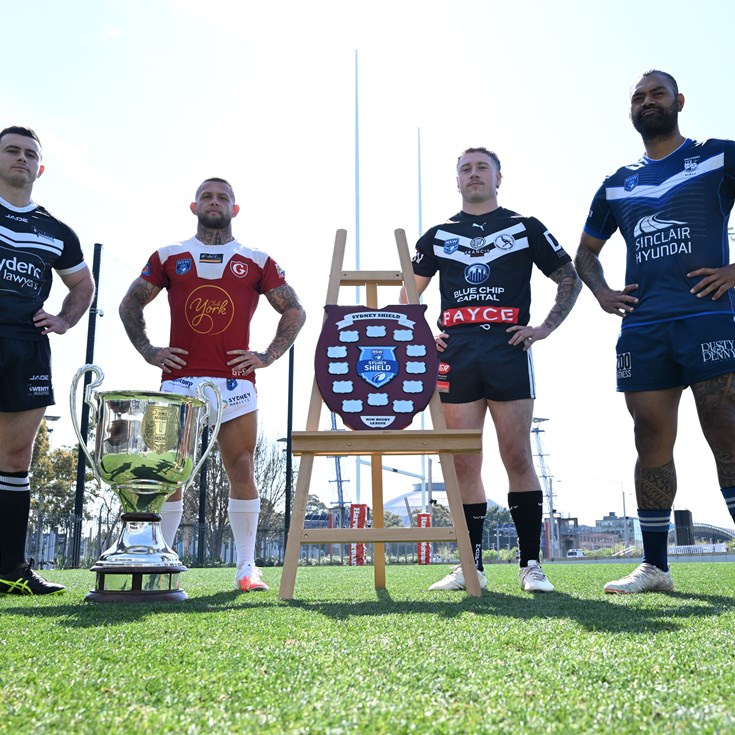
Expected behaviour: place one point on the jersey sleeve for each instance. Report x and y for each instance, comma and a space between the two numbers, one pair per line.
273, 276
424, 261
730, 167
71, 258
154, 272
548, 254
600, 220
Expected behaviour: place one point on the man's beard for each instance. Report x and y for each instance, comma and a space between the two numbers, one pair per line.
658, 124
215, 220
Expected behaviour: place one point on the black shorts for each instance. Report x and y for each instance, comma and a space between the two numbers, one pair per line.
25, 374
479, 364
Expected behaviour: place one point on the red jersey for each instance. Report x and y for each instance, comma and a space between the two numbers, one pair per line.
213, 291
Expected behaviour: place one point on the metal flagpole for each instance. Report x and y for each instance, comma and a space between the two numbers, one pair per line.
76, 546
423, 413
202, 517
357, 231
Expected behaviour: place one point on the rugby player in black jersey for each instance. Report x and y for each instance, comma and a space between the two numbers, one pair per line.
484, 256
33, 243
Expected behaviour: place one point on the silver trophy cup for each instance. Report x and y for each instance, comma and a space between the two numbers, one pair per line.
145, 449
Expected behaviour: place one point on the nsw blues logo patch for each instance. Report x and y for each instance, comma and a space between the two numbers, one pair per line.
183, 265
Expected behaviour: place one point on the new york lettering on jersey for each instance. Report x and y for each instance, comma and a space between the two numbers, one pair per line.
213, 293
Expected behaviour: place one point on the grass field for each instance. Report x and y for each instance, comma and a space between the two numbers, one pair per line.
343, 658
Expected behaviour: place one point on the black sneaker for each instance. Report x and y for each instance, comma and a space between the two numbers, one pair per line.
24, 581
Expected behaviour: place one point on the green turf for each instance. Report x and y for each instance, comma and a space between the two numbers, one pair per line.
343, 658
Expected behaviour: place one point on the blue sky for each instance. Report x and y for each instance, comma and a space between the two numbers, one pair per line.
137, 101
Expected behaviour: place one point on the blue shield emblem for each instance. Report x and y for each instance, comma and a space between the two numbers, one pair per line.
377, 365
231, 384
183, 266
631, 182
450, 246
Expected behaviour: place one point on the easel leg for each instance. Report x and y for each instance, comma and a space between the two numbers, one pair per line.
295, 533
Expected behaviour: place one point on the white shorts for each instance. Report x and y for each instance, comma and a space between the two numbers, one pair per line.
238, 396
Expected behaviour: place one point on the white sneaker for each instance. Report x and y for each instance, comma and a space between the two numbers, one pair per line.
644, 578
249, 579
533, 578
455, 580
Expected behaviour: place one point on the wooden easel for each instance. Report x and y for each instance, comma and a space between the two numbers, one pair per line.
376, 443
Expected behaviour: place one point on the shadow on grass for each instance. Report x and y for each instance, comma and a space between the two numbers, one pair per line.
93, 614
604, 615
613, 614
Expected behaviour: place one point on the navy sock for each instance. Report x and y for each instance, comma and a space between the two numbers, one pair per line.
474, 514
15, 505
729, 494
527, 511
655, 532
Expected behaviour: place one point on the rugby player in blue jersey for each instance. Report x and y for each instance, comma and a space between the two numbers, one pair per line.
678, 305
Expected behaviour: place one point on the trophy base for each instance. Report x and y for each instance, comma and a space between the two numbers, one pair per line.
140, 566
137, 584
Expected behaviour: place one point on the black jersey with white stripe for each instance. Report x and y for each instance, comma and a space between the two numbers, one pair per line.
673, 215
33, 244
485, 264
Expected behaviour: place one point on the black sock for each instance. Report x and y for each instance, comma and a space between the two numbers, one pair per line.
474, 514
527, 510
15, 505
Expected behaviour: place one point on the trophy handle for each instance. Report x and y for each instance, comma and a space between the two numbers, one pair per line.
89, 400
202, 396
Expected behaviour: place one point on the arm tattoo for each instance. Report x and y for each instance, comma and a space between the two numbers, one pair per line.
285, 301
568, 288
590, 269
138, 296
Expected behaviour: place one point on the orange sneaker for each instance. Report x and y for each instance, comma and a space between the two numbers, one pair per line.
249, 579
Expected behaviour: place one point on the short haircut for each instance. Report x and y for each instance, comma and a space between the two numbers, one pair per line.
217, 180
481, 149
665, 75
18, 130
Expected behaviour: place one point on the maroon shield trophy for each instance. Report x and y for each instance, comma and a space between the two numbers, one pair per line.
376, 368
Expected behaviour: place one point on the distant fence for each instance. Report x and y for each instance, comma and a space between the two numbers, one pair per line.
698, 549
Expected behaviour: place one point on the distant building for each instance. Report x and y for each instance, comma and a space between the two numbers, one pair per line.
614, 524
409, 502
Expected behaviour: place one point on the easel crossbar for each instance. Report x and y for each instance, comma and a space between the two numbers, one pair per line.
337, 443
377, 535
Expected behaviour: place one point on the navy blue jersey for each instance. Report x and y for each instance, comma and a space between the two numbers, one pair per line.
33, 243
485, 263
673, 215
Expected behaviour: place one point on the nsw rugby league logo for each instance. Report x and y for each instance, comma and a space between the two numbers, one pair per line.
376, 368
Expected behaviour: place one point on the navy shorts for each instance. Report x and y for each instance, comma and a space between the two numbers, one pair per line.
25, 369
675, 354
480, 364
